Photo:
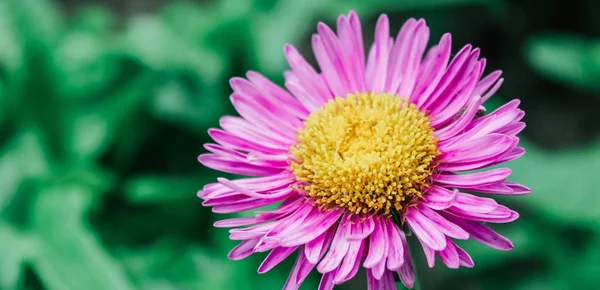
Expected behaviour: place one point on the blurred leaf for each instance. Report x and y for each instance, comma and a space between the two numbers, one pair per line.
84, 65
563, 183
23, 157
567, 59
149, 41
158, 189
194, 108
68, 255
91, 129
16, 248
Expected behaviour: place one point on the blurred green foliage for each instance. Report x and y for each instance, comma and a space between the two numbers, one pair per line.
103, 114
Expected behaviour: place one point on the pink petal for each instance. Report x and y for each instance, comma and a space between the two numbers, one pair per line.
377, 245
376, 82
438, 197
235, 222
425, 230
315, 249
432, 70
449, 255
474, 179
445, 226
406, 272
276, 256
327, 281
242, 250
270, 89
472, 203
483, 233
337, 251
464, 258
395, 257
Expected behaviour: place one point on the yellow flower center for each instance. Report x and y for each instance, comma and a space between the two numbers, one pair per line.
367, 153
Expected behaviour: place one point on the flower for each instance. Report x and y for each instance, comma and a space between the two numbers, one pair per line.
362, 151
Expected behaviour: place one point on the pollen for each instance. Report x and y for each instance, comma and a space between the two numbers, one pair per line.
366, 153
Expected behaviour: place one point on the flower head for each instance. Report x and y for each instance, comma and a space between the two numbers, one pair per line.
362, 151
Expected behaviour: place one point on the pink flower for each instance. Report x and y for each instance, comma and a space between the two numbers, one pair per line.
363, 150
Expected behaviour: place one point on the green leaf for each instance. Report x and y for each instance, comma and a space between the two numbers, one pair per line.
16, 249
563, 183
158, 189
568, 59
149, 41
23, 157
69, 256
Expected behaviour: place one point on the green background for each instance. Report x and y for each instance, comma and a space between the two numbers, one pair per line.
104, 107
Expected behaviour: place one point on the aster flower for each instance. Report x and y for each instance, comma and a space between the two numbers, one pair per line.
359, 153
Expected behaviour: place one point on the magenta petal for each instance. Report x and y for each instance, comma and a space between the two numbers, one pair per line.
449, 255
298, 273
447, 227
220, 163
386, 282
366, 227
500, 214
472, 203
429, 254
339, 248
276, 256
518, 189
473, 179
315, 249
406, 272
489, 146
311, 230
327, 281
377, 245
242, 250
483, 234
351, 263
425, 230
439, 198
235, 222
395, 257
464, 258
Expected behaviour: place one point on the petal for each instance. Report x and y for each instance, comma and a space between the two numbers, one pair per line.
327, 281
242, 250
425, 230
276, 256
235, 222
445, 226
449, 255
379, 63
337, 251
473, 179
298, 273
315, 249
385, 283
377, 245
472, 203
406, 272
438, 197
395, 257
482, 233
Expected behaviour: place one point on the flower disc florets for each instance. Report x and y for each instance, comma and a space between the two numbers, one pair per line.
365, 153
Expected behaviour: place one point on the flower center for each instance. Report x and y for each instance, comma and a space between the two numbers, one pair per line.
365, 153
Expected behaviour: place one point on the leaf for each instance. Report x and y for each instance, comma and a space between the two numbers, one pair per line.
563, 183
568, 59
148, 40
158, 189
23, 157
68, 255
16, 249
